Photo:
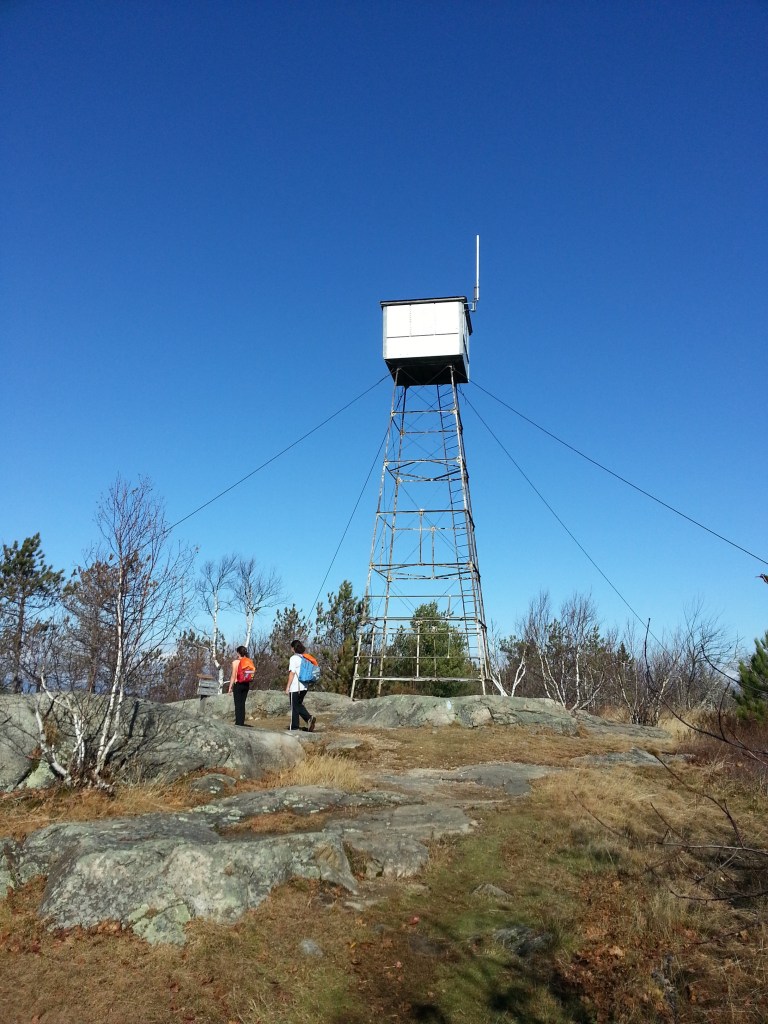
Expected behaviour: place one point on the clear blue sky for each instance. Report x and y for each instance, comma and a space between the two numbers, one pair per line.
203, 203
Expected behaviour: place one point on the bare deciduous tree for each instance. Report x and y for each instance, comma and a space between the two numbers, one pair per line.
565, 657
681, 671
508, 664
698, 644
215, 592
145, 595
253, 590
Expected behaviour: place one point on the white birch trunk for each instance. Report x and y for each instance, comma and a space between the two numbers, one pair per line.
115, 705
214, 641
519, 675
48, 749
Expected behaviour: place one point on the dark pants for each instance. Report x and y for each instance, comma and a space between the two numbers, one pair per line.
240, 693
297, 708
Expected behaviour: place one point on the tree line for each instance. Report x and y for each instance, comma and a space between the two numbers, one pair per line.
137, 617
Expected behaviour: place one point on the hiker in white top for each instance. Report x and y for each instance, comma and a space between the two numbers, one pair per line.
296, 690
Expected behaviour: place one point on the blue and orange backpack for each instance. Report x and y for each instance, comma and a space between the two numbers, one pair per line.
309, 673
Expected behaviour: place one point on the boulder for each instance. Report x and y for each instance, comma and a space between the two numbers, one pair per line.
604, 727
634, 758
156, 885
512, 777
414, 712
534, 713
164, 741
423, 821
19, 740
489, 891
264, 704
521, 940
156, 872
310, 948
387, 856
397, 711
155, 741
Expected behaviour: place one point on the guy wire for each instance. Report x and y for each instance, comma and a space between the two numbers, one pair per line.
313, 606
557, 517
617, 476
276, 456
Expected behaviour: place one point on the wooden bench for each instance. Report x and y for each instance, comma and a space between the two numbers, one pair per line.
207, 686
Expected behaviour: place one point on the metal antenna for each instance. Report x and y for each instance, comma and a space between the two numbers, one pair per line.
473, 307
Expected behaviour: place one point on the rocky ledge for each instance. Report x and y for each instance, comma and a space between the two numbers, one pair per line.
155, 872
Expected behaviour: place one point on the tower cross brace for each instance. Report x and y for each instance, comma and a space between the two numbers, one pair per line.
425, 621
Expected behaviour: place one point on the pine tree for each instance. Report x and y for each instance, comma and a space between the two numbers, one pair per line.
432, 647
290, 624
27, 587
753, 679
336, 638
272, 662
88, 600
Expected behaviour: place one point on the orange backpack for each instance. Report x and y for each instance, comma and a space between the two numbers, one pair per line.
246, 670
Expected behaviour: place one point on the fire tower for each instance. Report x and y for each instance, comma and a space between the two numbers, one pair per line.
426, 622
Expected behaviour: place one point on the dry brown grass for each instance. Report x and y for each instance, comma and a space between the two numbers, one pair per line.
737, 745
579, 859
623, 798
641, 952
321, 769
22, 813
279, 823
454, 747
681, 730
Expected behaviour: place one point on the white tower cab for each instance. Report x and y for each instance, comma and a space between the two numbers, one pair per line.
426, 341
425, 630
